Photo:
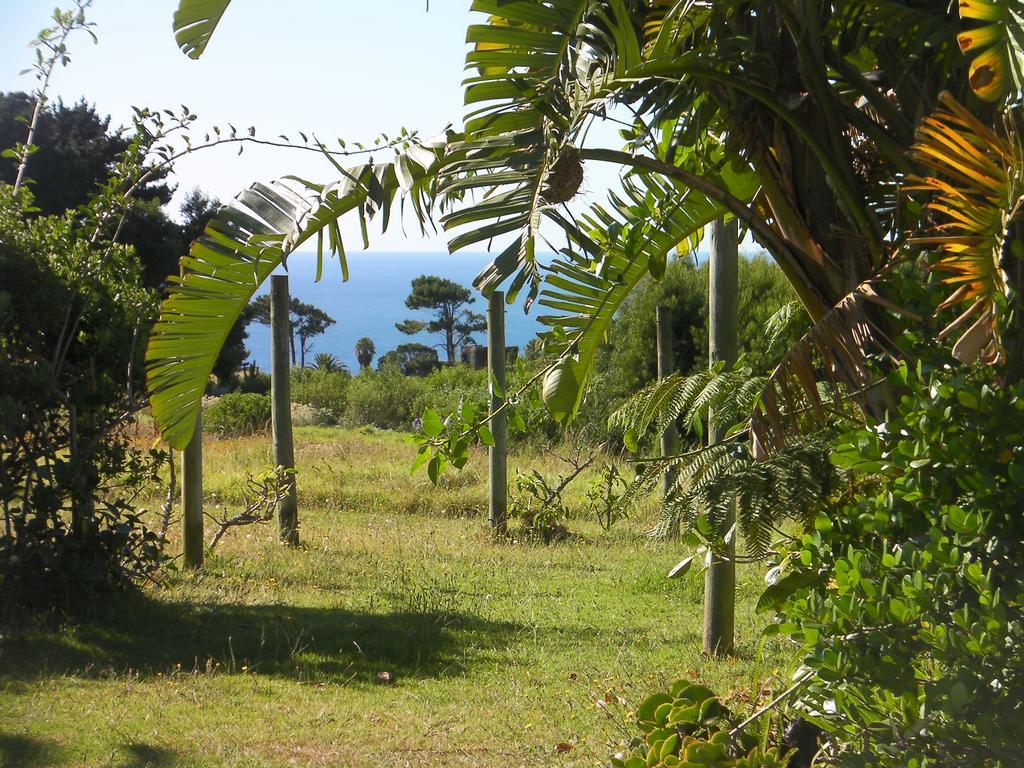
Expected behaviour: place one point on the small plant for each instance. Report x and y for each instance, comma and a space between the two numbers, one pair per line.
238, 414
261, 496
687, 726
604, 496
540, 505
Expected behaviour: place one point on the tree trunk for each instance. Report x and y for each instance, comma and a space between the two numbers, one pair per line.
281, 415
723, 320
192, 498
666, 367
498, 508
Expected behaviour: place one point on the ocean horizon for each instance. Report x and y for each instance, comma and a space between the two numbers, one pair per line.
373, 300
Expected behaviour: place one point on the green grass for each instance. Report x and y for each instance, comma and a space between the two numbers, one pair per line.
497, 652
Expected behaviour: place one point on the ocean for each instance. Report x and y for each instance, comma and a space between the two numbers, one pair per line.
373, 300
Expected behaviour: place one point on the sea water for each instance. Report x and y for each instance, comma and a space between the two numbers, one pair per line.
373, 300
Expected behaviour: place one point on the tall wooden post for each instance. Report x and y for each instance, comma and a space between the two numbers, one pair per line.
723, 321
281, 413
498, 507
192, 498
666, 367
192, 495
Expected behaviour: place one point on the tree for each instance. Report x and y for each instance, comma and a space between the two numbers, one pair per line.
75, 150
328, 363
812, 183
307, 322
448, 300
365, 350
412, 359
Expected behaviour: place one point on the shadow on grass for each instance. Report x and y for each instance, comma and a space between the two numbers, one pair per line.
147, 637
25, 752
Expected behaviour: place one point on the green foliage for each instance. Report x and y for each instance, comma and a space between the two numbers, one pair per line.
538, 506
238, 413
688, 727
321, 388
795, 483
325, 361
448, 388
365, 350
384, 399
629, 360
411, 359
448, 301
907, 604
256, 381
70, 307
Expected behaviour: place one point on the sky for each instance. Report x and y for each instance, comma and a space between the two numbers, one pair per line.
328, 68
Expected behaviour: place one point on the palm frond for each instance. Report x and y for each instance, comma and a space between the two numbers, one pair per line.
614, 248
724, 397
794, 484
242, 245
978, 189
195, 22
529, 103
998, 46
826, 370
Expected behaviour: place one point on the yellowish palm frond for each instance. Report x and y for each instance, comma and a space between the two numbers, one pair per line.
976, 178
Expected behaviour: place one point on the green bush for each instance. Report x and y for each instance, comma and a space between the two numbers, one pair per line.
385, 399
629, 360
447, 388
909, 604
237, 414
322, 389
688, 726
254, 382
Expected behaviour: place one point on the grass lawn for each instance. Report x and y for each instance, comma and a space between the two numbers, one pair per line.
497, 652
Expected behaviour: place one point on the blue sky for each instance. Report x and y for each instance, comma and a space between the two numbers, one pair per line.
330, 68
326, 67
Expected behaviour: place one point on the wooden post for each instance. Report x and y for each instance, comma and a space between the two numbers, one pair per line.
498, 507
192, 495
666, 367
723, 320
281, 413
192, 498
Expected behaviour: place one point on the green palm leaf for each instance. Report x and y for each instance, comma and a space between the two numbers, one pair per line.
247, 241
195, 22
621, 245
518, 154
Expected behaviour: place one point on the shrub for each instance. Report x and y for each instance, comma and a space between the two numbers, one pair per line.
629, 360
384, 399
909, 604
447, 388
307, 416
238, 414
688, 726
322, 389
254, 382
69, 529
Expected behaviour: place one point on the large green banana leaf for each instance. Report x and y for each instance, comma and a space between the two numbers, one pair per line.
245, 242
195, 22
